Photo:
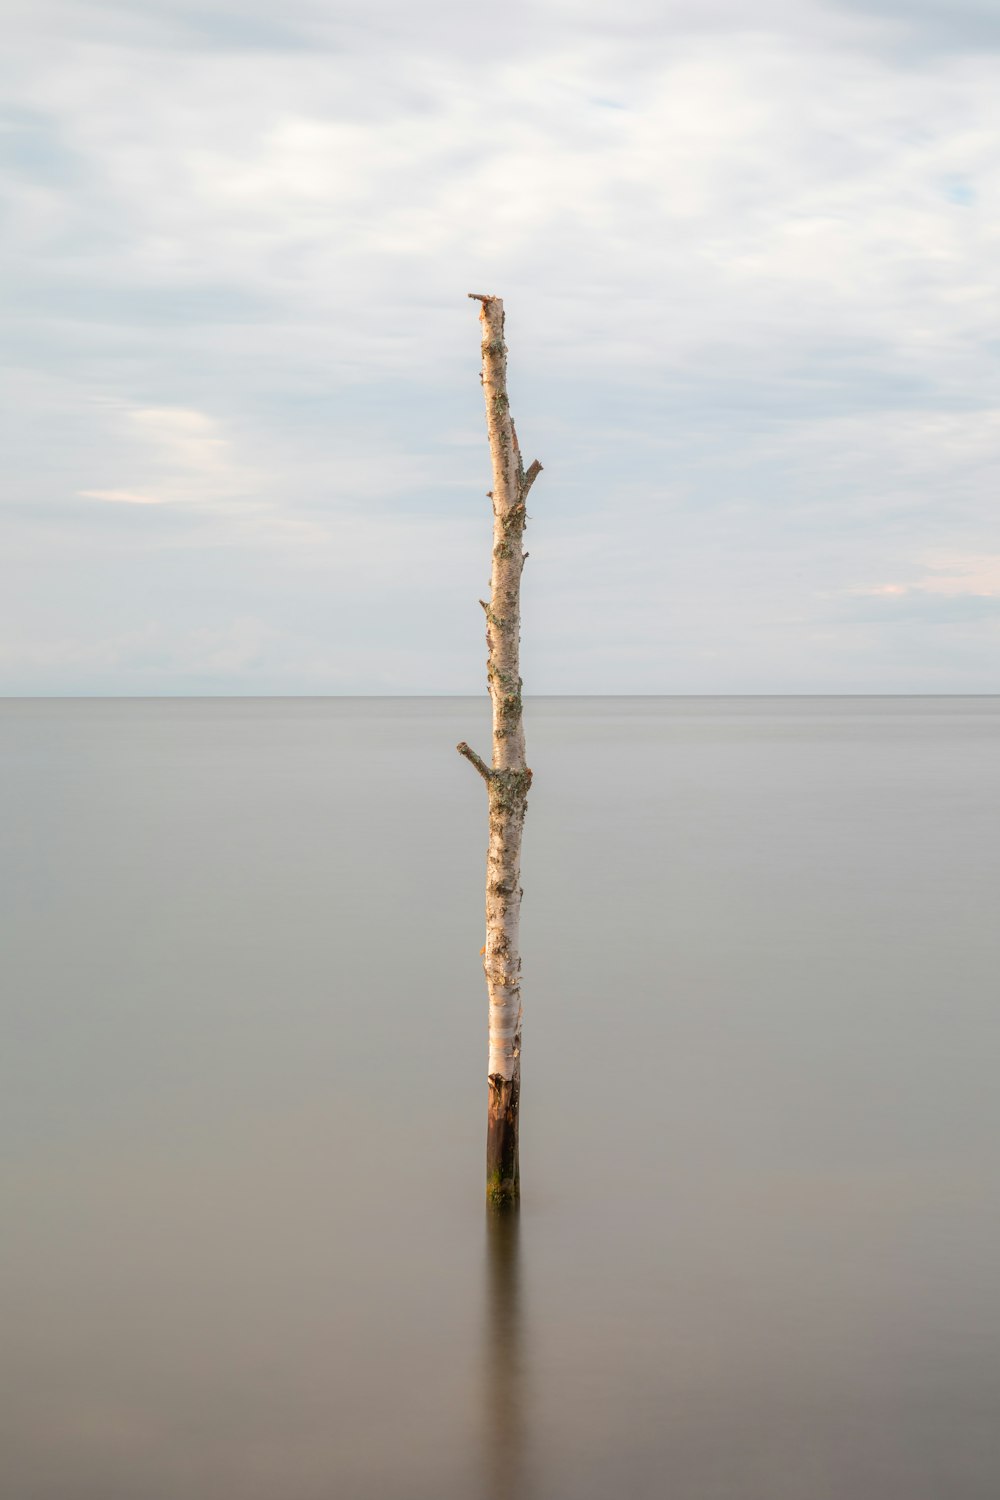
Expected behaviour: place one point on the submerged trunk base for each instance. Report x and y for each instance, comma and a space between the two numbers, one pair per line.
503, 1179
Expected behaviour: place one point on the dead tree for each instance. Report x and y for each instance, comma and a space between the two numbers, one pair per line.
508, 778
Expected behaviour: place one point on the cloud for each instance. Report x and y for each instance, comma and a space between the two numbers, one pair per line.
173, 456
121, 497
749, 263
951, 577
960, 25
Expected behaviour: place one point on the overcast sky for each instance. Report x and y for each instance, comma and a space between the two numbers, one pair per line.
749, 256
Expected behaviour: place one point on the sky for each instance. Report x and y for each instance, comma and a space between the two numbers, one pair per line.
749, 260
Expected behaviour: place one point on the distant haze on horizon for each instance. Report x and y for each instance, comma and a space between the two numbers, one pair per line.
750, 272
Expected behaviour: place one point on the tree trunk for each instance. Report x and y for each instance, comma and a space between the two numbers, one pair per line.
508, 778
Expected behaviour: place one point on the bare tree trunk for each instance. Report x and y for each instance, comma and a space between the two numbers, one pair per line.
508, 778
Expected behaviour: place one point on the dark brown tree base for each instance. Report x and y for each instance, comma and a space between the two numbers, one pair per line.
503, 1178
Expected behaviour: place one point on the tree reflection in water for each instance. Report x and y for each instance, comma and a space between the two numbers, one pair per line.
506, 1472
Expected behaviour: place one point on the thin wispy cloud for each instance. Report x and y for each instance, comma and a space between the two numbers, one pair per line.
121, 497
952, 577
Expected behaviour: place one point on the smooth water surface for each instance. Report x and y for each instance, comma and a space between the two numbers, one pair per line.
245, 1254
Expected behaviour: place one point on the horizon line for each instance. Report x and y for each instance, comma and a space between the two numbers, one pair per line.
421, 697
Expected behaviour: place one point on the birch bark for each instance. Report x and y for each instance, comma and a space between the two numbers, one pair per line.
508, 778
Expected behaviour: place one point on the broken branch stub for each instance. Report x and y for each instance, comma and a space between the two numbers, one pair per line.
508, 778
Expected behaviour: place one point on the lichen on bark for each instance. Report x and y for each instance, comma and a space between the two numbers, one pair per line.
508, 777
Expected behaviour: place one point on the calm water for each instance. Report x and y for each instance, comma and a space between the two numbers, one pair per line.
245, 1255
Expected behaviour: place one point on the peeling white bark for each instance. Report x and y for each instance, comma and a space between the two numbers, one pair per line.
508, 778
